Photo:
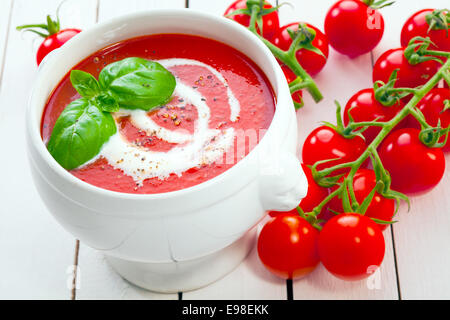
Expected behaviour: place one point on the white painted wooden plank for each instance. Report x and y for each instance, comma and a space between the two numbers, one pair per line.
322, 285
112, 8
339, 80
249, 280
98, 280
5, 11
37, 253
77, 13
422, 235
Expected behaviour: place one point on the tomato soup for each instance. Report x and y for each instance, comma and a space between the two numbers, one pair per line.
219, 110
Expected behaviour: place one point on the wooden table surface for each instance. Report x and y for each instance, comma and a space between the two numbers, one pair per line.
39, 257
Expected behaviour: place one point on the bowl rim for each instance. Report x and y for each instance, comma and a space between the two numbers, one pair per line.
34, 129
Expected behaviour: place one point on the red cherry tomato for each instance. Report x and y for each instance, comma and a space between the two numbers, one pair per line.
353, 28
271, 23
414, 168
364, 107
309, 60
432, 106
417, 26
55, 41
363, 183
54, 38
325, 143
409, 75
314, 196
351, 246
287, 246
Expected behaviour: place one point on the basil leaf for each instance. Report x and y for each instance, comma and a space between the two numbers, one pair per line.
85, 83
106, 103
79, 133
136, 83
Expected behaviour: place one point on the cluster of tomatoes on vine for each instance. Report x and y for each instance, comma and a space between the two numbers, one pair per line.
351, 245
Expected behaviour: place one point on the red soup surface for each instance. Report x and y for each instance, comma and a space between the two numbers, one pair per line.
221, 106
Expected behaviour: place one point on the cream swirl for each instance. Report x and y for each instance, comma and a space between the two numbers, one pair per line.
204, 146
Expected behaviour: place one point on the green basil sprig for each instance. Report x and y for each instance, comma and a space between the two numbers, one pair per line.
86, 124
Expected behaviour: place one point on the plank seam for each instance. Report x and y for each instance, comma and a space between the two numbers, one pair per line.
180, 294
77, 242
8, 26
75, 272
97, 10
289, 285
395, 264
289, 290
397, 278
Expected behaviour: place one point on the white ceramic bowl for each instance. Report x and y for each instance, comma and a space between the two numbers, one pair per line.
185, 239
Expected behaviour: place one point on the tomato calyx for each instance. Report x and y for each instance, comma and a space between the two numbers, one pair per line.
311, 217
347, 195
438, 20
377, 4
255, 8
387, 94
446, 106
44, 29
352, 129
303, 37
383, 186
417, 51
431, 136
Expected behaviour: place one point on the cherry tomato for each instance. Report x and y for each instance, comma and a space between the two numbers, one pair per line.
290, 76
271, 23
351, 246
414, 168
314, 196
287, 246
309, 60
409, 75
364, 107
353, 28
55, 41
416, 25
364, 181
325, 143
54, 38
432, 106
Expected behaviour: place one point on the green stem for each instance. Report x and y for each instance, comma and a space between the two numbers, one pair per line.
253, 17
287, 57
327, 171
388, 126
446, 76
320, 206
355, 125
437, 53
409, 90
299, 86
419, 118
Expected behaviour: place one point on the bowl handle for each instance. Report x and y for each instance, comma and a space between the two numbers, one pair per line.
283, 183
